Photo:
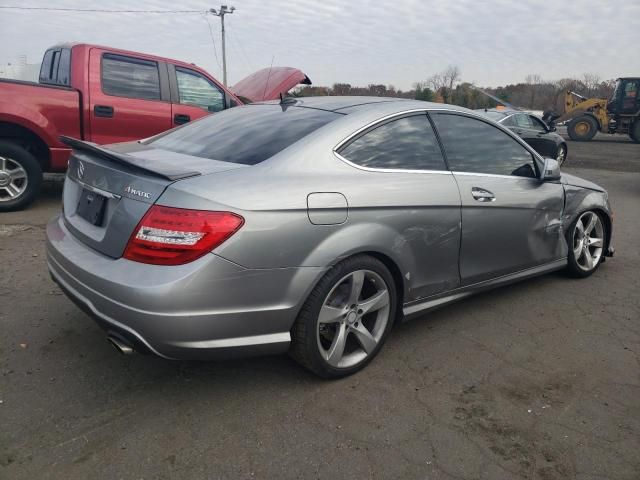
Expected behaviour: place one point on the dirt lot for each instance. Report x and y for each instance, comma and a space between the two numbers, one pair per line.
537, 380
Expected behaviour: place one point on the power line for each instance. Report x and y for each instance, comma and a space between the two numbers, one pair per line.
94, 10
215, 51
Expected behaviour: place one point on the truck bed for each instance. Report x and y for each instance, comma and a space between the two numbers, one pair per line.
47, 110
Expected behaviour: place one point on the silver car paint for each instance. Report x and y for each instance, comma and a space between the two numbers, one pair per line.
247, 293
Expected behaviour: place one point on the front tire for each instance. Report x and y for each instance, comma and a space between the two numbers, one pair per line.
586, 240
346, 318
582, 128
20, 177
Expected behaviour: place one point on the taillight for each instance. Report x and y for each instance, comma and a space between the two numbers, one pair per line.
174, 236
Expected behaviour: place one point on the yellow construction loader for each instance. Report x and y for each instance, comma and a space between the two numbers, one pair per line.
620, 114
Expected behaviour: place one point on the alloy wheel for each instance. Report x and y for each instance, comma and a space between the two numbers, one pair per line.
13, 179
588, 241
562, 155
353, 318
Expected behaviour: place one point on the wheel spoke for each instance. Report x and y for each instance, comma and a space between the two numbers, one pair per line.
595, 242
357, 281
3, 163
330, 314
378, 301
18, 174
588, 259
592, 223
577, 250
364, 337
334, 355
12, 190
580, 226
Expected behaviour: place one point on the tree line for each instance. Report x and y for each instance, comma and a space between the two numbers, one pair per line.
534, 93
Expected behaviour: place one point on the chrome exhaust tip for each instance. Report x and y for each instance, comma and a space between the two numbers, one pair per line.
120, 345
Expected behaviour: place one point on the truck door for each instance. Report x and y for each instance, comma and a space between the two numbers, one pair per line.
128, 97
193, 95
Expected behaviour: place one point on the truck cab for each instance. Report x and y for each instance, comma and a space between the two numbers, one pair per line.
105, 95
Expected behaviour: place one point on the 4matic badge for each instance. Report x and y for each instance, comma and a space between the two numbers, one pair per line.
138, 193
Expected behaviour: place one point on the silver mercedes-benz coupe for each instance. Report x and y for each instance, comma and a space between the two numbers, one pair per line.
312, 226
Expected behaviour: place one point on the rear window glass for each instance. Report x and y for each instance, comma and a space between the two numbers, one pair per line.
130, 77
495, 116
246, 135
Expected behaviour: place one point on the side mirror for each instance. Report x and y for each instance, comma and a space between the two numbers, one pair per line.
552, 127
551, 170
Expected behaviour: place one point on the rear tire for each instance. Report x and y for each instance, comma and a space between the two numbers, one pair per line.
346, 318
561, 154
586, 240
634, 131
20, 177
582, 128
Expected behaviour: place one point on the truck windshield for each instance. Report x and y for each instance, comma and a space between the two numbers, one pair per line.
246, 135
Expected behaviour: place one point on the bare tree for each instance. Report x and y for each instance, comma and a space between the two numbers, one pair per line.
444, 82
591, 83
533, 82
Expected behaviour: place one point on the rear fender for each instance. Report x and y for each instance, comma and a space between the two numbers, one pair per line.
361, 238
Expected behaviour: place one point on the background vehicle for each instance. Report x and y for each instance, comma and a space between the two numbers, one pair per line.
587, 116
532, 130
263, 229
106, 95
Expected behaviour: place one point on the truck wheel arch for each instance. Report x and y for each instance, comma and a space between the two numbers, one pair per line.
27, 139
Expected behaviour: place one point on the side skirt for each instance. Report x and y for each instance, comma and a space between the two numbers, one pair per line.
412, 309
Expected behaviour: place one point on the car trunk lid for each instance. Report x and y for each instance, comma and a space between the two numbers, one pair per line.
269, 83
108, 190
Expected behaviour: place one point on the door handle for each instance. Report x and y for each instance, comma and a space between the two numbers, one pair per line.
180, 118
482, 195
105, 111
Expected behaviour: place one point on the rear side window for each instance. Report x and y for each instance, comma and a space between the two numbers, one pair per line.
130, 77
475, 146
246, 135
56, 67
407, 143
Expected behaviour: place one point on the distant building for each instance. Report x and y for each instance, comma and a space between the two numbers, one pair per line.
21, 70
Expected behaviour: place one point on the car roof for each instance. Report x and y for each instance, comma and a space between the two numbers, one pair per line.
352, 104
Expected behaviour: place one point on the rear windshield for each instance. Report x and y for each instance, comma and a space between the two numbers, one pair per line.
246, 135
495, 116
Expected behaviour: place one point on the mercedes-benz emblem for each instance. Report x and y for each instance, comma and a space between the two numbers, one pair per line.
80, 170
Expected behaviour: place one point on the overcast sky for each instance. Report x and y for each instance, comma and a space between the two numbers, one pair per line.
355, 41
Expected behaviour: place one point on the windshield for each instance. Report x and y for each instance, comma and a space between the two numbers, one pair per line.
246, 135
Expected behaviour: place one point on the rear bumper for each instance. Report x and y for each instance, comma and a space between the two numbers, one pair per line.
208, 309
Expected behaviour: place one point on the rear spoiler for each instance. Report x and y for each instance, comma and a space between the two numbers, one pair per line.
157, 168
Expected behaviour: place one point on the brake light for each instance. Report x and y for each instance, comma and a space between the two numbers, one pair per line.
175, 236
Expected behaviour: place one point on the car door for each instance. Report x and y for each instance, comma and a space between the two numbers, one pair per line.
543, 141
128, 97
510, 219
193, 95
406, 187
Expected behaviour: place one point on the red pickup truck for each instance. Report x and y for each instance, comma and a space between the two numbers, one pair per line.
104, 95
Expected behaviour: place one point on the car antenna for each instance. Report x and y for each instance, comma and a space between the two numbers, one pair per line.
273, 57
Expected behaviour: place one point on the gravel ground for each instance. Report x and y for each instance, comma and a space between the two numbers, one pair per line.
539, 380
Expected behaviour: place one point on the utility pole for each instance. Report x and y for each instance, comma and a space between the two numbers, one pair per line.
221, 13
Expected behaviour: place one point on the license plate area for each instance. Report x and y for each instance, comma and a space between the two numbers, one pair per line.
91, 207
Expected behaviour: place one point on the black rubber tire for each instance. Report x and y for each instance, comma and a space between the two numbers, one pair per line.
634, 131
34, 175
304, 346
593, 128
573, 270
566, 152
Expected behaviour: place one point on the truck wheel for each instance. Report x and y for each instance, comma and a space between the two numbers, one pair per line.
634, 131
20, 177
582, 128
